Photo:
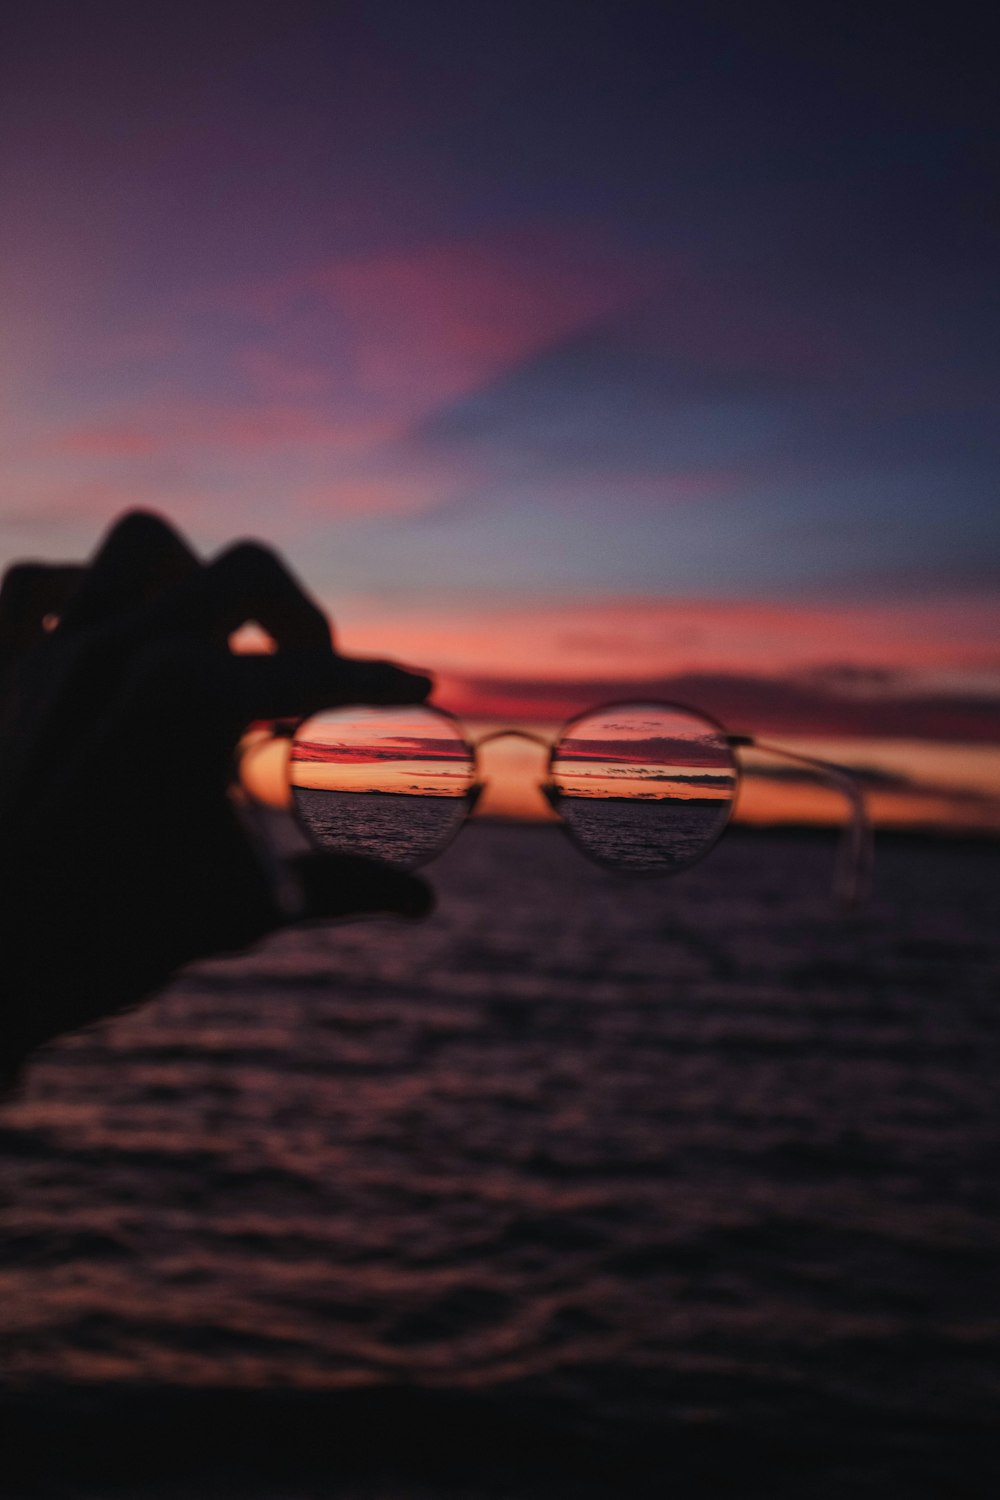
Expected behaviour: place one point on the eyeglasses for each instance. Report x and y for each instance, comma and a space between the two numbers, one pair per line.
641, 788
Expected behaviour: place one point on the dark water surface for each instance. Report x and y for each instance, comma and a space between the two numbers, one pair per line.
640, 835
584, 1186
406, 830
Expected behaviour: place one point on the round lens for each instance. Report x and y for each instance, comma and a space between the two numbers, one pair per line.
644, 787
387, 782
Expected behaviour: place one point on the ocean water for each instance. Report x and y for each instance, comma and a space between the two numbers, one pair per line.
583, 1186
659, 834
654, 835
405, 829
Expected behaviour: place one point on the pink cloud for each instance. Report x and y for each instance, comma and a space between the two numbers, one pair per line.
51, 502
384, 495
652, 750
277, 373
744, 704
182, 427
430, 323
103, 441
406, 331
612, 637
268, 426
399, 748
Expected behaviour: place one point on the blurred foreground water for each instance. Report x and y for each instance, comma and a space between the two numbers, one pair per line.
584, 1186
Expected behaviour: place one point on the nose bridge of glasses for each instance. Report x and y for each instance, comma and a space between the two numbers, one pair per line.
514, 734
513, 773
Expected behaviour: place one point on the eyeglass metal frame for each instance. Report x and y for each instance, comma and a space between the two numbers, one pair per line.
855, 855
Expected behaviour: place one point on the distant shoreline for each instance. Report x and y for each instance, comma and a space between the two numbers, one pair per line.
974, 838
346, 791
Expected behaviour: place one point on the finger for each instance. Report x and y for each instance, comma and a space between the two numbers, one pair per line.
191, 701
140, 559
351, 886
246, 582
31, 594
293, 684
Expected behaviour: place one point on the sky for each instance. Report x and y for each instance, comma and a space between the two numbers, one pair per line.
404, 751
575, 351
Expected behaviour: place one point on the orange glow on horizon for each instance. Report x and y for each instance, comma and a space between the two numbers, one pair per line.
951, 786
636, 636
398, 751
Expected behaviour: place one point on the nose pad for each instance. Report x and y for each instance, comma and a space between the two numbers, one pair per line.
474, 793
551, 793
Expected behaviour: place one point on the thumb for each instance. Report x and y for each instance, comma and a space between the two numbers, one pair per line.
348, 885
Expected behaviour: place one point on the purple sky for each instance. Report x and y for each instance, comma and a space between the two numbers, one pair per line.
541, 306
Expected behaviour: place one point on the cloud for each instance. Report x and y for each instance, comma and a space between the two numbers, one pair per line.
360, 754
670, 750
759, 705
593, 406
879, 779
848, 649
182, 428
320, 373
723, 391
109, 441
424, 325
719, 783
212, 464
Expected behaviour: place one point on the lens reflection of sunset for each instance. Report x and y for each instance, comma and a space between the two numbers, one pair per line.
701, 750
395, 748
644, 753
390, 752
907, 781
650, 781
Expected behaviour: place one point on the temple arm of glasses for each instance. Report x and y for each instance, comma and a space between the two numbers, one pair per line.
852, 874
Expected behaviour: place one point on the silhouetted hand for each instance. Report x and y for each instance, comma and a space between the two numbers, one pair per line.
122, 851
